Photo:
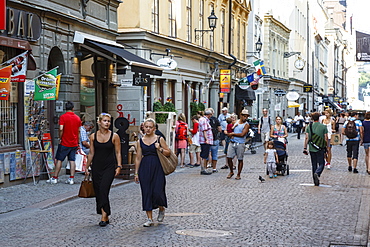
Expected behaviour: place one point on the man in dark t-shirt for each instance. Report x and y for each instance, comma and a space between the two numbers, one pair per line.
69, 135
216, 130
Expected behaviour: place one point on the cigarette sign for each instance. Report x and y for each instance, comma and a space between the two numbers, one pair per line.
225, 81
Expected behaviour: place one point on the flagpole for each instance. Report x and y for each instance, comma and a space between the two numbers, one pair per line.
45, 73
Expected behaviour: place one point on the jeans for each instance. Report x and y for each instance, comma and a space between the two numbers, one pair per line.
214, 149
317, 161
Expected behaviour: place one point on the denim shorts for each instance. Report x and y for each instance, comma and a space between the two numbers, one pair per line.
214, 150
366, 145
64, 151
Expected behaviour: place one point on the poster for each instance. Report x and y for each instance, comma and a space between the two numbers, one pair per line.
6, 163
46, 86
19, 67
2, 168
225, 81
12, 166
5, 74
46, 142
18, 165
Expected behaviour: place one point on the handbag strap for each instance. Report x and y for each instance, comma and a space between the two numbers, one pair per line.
159, 137
311, 132
88, 177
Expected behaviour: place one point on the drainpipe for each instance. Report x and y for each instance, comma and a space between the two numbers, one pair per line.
230, 17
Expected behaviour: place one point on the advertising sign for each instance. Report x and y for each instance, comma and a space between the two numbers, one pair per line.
167, 63
362, 47
141, 80
19, 67
5, 74
225, 81
2, 15
46, 86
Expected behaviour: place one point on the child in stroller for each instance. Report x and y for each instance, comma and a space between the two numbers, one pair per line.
281, 164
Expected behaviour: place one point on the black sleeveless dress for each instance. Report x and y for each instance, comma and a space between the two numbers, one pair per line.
103, 171
152, 178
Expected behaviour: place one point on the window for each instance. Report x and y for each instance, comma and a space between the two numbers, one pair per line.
238, 39
222, 31
232, 34
243, 42
8, 123
188, 20
172, 19
201, 14
155, 16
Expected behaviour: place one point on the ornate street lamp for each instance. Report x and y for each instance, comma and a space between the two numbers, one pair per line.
258, 47
212, 21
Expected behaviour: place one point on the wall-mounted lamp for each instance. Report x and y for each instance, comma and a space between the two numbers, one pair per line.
258, 47
289, 54
212, 21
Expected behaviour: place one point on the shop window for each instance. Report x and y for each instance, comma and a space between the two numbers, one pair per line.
8, 123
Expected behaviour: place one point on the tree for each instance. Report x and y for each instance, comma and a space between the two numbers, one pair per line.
364, 79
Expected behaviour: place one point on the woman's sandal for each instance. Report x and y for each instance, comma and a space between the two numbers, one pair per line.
237, 178
230, 175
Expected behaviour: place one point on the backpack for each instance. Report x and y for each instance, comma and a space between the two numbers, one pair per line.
182, 132
214, 125
316, 141
269, 120
351, 130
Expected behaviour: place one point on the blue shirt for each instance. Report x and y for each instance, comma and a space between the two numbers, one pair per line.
237, 130
84, 137
222, 118
358, 125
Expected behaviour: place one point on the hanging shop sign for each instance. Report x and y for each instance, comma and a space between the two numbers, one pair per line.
225, 80
167, 63
141, 80
307, 88
291, 96
362, 47
19, 67
46, 85
5, 74
22, 25
280, 92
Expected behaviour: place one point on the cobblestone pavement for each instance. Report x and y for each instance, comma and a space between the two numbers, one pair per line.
212, 210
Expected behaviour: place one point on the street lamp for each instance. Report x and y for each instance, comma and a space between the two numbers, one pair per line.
258, 47
212, 21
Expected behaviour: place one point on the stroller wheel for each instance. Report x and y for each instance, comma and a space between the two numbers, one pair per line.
253, 151
267, 171
287, 169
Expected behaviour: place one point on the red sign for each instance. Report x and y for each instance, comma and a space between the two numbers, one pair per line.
2, 14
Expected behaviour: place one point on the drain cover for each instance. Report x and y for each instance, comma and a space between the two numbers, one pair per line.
204, 233
182, 214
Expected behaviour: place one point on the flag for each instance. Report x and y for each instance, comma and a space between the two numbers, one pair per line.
58, 86
263, 69
5, 74
19, 67
250, 77
256, 63
45, 85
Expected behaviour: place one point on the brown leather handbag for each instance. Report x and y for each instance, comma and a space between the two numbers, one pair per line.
168, 163
86, 188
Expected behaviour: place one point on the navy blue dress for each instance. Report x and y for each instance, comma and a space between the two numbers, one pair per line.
103, 169
152, 178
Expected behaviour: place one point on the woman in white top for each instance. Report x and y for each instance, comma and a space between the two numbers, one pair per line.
330, 124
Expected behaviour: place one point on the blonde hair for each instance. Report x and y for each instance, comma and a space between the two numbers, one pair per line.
328, 110
102, 115
151, 120
182, 117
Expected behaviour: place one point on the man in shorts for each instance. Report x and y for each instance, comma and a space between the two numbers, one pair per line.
69, 135
216, 130
205, 140
237, 143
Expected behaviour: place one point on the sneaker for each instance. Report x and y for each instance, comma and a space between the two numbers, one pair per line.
160, 216
52, 180
316, 179
209, 165
225, 167
197, 165
275, 176
328, 166
349, 168
148, 223
271, 176
355, 170
190, 165
214, 170
205, 173
70, 181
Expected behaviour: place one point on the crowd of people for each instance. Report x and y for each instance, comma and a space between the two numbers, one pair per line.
202, 137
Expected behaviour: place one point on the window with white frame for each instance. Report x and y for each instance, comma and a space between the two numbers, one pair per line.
172, 19
188, 20
222, 21
238, 40
155, 16
201, 15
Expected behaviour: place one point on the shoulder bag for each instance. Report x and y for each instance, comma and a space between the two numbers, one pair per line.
86, 188
168, 163
316, 141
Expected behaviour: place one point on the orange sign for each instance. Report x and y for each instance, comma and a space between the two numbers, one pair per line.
225, 81
5, 74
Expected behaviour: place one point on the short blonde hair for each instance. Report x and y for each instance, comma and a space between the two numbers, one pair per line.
102, 115
151, 120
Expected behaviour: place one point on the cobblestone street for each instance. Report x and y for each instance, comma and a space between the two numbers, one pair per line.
205, 210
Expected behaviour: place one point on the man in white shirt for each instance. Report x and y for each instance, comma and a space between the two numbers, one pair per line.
222, 119
298, 119
264, 127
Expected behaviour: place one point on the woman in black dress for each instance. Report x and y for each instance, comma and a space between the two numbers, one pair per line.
148, 170
105, 156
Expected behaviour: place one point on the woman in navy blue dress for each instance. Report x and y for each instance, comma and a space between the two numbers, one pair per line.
105, 157
149, 172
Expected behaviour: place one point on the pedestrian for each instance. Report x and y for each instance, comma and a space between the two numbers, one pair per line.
264, 127
270, 159
181, 143
279, 131
307, 120
229, 129
216, 131
353, 130
366, 140
105, 160
158, 132
69, 132
222, 119
317, 155
205, 140
298, 119
237, 144
339, 122
149, 172
85, 129
194, 148
330, 125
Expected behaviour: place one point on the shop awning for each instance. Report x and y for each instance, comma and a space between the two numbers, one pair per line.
247, 94
22, 45
331, 104
101, 46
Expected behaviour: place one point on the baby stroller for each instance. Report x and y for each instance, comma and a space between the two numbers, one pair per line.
282, 165
250, 143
